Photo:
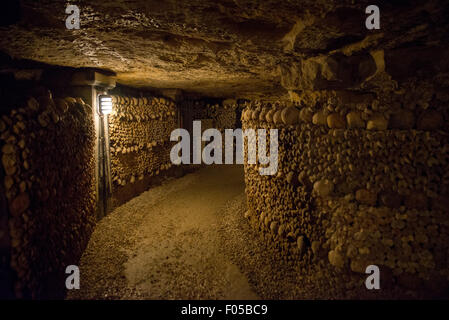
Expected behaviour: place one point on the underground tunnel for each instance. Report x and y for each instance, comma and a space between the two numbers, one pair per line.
223, 150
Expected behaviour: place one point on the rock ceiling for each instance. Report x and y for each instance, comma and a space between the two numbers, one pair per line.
230, 48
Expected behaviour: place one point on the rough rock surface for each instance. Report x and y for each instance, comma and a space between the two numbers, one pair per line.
236, 48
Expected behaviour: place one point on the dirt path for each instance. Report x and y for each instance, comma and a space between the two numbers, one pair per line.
165, 244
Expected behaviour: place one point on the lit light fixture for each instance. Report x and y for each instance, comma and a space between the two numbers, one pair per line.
105, 104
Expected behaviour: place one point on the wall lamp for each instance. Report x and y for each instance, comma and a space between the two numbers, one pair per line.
105, 104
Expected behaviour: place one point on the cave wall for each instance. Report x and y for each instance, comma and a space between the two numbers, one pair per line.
363, 179
214, 113
139, 133
140, 144
224, 116
47, 149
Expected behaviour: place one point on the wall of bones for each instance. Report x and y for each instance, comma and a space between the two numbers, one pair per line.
48, 217
140, 144
214, 113
363, 179
224, 116
222, 113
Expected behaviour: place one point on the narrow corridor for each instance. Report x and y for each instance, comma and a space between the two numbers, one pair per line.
164, 244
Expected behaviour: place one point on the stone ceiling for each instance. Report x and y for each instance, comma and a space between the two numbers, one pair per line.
226, 48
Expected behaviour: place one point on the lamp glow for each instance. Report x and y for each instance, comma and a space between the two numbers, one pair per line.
105, 104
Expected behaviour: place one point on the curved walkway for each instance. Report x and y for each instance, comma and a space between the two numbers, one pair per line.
164, 244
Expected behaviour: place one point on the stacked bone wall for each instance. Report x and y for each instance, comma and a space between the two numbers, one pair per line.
224, 116
140, 146
47, 147
222, 113
215, 114
360, 182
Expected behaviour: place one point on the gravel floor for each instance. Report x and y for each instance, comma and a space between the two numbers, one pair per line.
169, 243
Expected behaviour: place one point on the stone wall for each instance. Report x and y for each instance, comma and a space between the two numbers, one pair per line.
224, 116
140, 144
363, 179
47, 147
214, 113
